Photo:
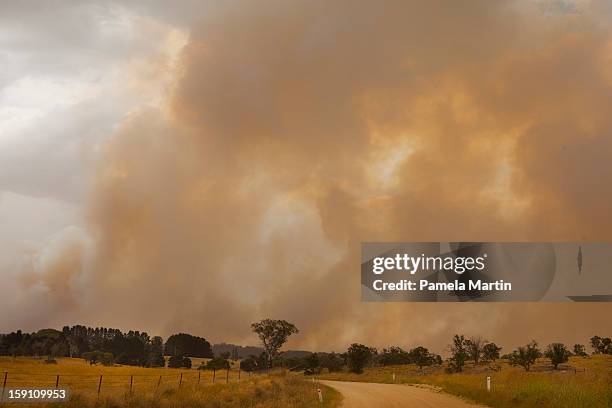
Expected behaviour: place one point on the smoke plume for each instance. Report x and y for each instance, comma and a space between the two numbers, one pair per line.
297, 130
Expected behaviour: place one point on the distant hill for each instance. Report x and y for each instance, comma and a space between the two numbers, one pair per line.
246, 351
296, 353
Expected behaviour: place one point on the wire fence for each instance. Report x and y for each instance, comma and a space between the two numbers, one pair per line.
104, 383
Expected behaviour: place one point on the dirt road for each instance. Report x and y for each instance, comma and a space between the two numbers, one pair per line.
370, 395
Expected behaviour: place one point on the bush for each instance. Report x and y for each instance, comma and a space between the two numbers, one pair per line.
579, 350
249, 364
157, 360
525, 356
217, 363
186, 362
179, 362
93, 357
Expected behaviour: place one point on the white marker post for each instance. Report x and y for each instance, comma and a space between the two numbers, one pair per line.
393, 376
488, 384
320, 395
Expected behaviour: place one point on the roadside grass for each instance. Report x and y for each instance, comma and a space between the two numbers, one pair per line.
265, 392
258, 391
510, 386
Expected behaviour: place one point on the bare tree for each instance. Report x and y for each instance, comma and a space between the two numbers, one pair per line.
475, 347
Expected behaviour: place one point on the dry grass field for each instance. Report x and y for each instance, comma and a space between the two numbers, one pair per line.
160, 387
584, 382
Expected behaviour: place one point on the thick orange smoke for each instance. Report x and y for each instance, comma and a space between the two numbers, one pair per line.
297, 130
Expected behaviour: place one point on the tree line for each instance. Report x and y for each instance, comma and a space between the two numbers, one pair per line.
104, 345
109, 346
274, 333
462, 350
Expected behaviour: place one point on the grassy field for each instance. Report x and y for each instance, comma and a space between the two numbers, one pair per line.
589, 386
196, 389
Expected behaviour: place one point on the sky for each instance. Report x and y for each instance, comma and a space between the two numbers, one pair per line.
196, 166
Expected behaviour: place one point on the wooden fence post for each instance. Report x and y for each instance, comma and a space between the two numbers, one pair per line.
214, 374
180, 380
227, 376
131, 383
199, 376
4, 385
238, 374
158, 382
99, 386
57, 381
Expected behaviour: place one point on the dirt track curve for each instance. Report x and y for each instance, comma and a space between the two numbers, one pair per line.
370, 395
